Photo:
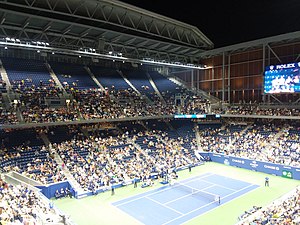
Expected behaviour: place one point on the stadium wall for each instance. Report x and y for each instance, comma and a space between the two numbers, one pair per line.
49, 190
255, 165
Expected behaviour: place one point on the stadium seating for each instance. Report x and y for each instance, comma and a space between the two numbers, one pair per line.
97, 157
109, 78
166, 87
25, 73
140, 81
73, 76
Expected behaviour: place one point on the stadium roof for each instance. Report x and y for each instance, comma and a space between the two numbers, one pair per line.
102, 26
259, 43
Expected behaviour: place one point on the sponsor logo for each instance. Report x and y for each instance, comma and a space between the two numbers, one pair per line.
226, 162
271, 167
287, 174
238, 161
285, 66
253, 164
217, 155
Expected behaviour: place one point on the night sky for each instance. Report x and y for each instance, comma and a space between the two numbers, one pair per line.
230, 21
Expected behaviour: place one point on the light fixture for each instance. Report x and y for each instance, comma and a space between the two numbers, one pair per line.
7, 42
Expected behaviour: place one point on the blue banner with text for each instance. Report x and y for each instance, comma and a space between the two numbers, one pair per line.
265, 167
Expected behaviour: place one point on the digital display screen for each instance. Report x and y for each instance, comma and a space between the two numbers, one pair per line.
283, 78
194, 116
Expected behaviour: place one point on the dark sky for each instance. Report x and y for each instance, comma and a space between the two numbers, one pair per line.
230, 22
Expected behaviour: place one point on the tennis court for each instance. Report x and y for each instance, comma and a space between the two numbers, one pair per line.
184, 200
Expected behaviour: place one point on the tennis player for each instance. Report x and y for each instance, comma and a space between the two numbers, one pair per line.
218, 199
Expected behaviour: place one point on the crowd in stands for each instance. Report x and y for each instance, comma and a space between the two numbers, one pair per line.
93, 104
21, 205
120, 155
255, 109
141, 149
284, 211
249, 212
36, 163
31, 102
8, 116
32, 85
256, 141
103, 161
102, 104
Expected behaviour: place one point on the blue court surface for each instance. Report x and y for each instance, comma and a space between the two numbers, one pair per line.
176, 204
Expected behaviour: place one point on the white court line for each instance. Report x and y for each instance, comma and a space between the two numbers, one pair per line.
207, 205
155, 192
164, 205
200, 178
222, 205
218, 185
186, 195
129, 215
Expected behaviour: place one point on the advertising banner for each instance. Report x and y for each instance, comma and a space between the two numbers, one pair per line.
255, 165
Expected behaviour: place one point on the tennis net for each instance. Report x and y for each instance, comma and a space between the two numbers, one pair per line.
195, 191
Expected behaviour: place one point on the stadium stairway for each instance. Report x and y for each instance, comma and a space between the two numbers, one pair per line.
170, 126
6, 101
97, 82
242, 132
182, 83
55, 78
75, 185
84, 131
197, 135
143, 124
155, 88
45, 139
4, 77
280, 133
94, 78
19, 115
134, 88
136, 145
274, 141
245, 129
